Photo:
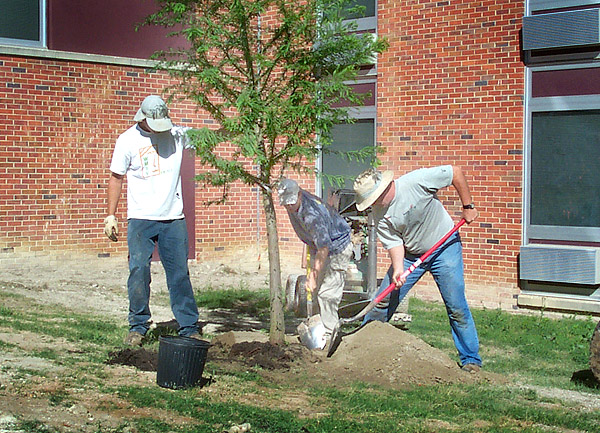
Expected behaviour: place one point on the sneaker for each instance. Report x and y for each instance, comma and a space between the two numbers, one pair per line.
471, 368
134, 339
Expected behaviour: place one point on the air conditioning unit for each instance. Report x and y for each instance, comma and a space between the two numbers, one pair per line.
575, 28
560, 264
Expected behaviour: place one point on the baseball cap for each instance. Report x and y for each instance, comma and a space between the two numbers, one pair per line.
288, 191
156, 113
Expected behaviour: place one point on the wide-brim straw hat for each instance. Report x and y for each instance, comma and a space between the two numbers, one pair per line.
369, 185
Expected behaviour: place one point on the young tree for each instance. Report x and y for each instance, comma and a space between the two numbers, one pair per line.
272, 73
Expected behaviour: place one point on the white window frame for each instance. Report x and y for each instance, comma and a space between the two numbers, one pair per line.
544, 104
360, 112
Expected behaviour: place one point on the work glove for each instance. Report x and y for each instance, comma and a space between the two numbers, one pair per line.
110, 228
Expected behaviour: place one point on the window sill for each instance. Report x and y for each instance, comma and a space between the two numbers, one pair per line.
66, 55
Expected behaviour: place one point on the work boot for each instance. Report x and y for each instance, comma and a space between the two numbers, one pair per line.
134, 339
471, 368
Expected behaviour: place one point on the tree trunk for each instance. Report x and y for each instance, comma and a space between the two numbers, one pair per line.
277, 330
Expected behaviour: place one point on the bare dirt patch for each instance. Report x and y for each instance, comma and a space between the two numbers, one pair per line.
377, 354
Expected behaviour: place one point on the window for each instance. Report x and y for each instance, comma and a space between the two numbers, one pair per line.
368, 19
565, 180
22, 22
562, 180
361, 133
345, 138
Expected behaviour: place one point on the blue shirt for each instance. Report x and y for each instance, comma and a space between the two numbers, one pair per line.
318, 224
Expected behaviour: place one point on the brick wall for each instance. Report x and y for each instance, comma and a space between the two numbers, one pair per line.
59, 121
450, 91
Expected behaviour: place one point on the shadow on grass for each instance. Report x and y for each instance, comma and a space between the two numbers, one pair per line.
585, 378
221, 321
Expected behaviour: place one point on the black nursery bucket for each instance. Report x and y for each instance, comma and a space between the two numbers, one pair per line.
180, 361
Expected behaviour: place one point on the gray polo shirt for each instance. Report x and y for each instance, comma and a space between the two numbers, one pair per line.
319, 225
415, 218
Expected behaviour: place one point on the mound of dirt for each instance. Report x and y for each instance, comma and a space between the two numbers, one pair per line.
380, 353
251, 349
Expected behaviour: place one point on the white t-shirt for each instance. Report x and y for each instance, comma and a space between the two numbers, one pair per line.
152, 163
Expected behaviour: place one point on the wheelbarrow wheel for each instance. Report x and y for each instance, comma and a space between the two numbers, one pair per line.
300, 308
595, 353
300, 296
290, 292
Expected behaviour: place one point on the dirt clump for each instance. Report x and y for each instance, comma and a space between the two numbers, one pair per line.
265, 355
142, 359
224, 350
251, 350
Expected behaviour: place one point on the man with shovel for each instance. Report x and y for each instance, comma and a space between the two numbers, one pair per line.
327, 236
150, 154
410, 219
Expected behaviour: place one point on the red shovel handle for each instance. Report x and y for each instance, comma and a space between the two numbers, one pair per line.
418, 262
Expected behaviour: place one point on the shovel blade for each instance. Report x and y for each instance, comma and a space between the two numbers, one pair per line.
312, 333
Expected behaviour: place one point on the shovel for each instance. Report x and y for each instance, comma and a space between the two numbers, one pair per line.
312, 331
336, 336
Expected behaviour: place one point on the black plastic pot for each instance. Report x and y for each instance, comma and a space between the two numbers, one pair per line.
180, 361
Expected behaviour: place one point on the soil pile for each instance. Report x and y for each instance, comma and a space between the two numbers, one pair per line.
264, 355
382, 354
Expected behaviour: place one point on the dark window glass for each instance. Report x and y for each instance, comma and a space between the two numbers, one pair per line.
369, 9
565, 178
347, 137
20, 19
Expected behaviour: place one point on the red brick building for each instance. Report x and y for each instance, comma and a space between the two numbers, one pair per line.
479, 84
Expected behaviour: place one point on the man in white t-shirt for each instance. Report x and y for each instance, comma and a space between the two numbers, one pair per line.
150, 154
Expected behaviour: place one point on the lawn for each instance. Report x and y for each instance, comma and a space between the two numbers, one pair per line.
53, 365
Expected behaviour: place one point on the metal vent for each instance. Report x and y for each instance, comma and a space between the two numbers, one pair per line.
561, 29
560, 264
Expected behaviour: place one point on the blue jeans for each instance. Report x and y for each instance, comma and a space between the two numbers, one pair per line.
172, 239
446, 267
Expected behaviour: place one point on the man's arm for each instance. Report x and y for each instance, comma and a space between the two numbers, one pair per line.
317, 267
462, 187
115, 184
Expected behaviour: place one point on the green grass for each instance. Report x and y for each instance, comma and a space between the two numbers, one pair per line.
526, 349
243, 300
542, 350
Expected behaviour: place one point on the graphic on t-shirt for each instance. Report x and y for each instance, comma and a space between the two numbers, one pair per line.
149, 160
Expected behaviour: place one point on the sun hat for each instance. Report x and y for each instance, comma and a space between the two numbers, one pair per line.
288, 191
156, 113
369, 185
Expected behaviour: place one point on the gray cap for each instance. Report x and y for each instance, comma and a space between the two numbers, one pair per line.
156, 113
288, 191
